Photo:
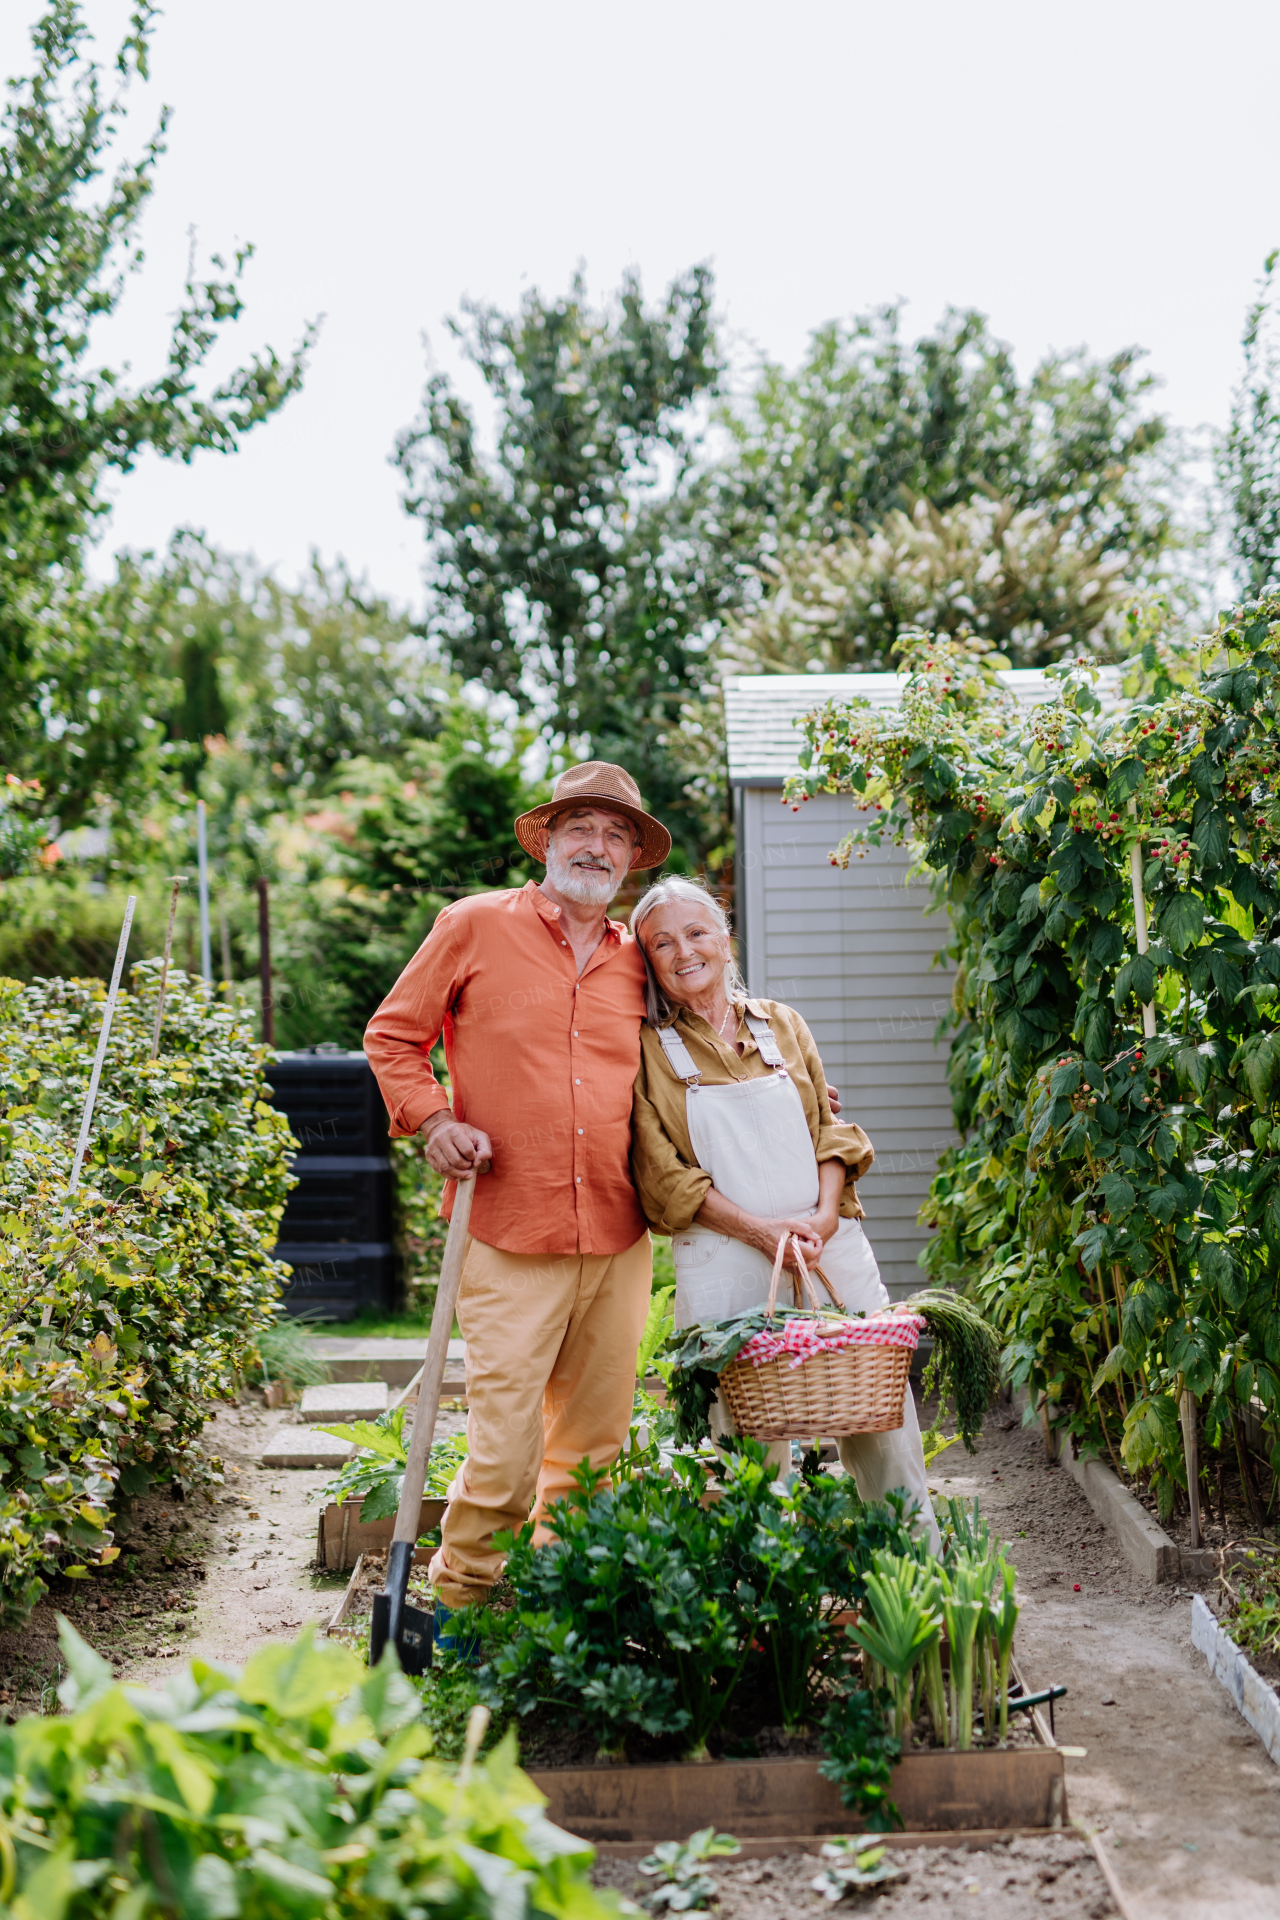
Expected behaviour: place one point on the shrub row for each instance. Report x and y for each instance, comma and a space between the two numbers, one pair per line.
126, 1313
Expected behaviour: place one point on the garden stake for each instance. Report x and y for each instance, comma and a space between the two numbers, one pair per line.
98, 1058
1187, 1409
1140, 926
408, 1629
264, 965
202, 868
225, 933
178, 879
1187, 1402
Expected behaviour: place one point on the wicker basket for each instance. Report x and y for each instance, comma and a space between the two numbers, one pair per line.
853, 1389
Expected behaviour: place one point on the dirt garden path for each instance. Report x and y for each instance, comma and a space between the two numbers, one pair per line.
1188, 1799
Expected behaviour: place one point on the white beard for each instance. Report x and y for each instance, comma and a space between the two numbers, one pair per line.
586, 886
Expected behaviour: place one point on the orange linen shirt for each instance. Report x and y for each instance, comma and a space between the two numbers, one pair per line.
539, 1058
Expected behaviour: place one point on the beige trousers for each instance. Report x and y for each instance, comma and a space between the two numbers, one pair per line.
551, 1373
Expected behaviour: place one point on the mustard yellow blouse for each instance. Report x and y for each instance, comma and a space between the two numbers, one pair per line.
671, 1184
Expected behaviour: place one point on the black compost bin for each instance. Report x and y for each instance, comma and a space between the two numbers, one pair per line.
337, 1228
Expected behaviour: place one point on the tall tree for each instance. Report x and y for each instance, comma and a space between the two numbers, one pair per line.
67, 248
872, 422
563, 569
1249, 460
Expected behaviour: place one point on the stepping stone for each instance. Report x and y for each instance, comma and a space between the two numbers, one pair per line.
295, 1446
345, 1400
393, 1360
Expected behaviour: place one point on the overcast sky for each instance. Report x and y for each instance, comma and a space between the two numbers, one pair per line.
1096, 173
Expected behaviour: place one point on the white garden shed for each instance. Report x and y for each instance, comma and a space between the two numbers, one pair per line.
854, 951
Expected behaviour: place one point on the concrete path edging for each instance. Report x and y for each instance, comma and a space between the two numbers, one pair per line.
1255, 1699
1146, 1545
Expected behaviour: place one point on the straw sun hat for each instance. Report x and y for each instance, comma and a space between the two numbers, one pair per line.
596, 783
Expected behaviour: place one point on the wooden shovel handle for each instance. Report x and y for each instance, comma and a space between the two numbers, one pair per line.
409, 1512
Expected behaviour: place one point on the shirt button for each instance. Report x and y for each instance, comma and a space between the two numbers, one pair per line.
579, 1129
577, 1083
578, 1182
575, 1033
564, 943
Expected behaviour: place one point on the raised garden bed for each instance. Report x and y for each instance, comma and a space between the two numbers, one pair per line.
1018, 1789
1255, 1697
342, 1536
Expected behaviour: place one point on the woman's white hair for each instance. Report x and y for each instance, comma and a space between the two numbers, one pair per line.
659, 1011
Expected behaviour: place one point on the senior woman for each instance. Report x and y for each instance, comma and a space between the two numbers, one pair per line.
734, 1145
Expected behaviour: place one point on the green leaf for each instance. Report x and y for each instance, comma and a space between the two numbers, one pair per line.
1118, 1195
1124, 781
296, 1681
1112, 1368
89, 1676
1107, 944
210, 1891
1137, 977
1182, 921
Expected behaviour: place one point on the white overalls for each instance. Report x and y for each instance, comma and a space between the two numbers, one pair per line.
752, 1137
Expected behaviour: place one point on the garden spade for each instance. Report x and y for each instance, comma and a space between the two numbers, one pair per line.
409, 1629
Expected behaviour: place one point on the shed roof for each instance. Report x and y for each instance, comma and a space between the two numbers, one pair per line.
761, 711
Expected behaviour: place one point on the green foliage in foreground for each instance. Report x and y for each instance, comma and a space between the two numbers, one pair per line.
125, 1321
1117, 1199
647, 1611
300, 1787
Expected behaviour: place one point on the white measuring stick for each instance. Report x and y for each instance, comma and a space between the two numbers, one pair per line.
202, 857
1140, 923
178, 879
82, 1144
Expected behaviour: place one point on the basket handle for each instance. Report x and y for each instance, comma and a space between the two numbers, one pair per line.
773, 1283
836, 1300
804, 1284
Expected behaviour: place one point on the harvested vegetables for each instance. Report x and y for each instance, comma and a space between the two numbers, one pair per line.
965, 1363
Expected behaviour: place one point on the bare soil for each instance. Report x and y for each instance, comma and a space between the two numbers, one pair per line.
1182, 1789
1056, 1875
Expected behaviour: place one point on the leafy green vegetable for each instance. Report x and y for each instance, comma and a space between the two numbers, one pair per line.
854, 1869
376, 1473
679, 1868
301, 1787
651, 1605
861, 1753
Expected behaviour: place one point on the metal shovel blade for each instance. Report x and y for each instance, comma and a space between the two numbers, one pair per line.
417, 1630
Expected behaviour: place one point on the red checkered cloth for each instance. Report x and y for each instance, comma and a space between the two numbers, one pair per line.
803, 1338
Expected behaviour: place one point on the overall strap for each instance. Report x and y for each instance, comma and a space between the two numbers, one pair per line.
679, 1058
762, 1034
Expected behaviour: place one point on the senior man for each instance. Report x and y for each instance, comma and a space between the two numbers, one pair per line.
540, 998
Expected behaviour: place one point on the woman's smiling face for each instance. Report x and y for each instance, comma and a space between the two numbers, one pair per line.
686, 949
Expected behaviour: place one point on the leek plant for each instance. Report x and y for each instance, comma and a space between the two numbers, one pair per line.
908, 1601
904, 1628
1004, 1618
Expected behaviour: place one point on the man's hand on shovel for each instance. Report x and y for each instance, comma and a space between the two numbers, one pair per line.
453, 1148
